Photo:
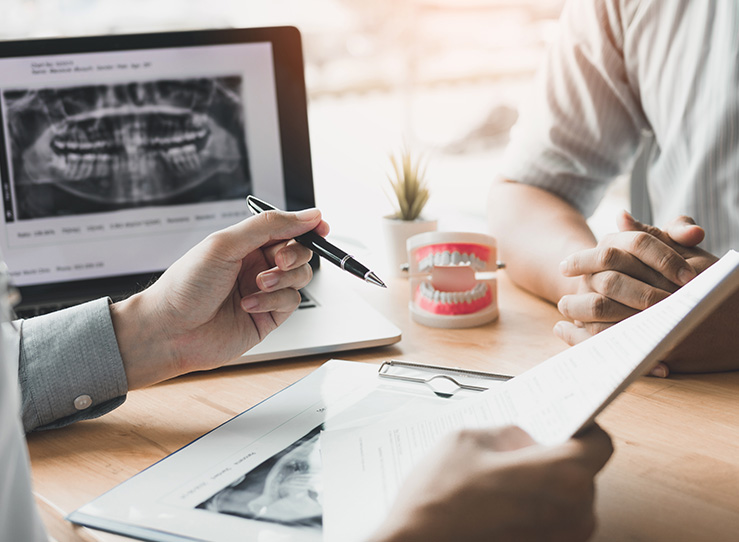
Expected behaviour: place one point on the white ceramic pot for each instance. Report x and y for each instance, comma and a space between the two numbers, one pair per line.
396, 233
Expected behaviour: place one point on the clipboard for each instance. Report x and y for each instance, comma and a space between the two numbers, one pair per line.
445, 382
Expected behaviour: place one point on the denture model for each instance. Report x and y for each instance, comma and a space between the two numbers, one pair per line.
453, 279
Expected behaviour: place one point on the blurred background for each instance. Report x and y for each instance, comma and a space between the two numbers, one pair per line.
445, 77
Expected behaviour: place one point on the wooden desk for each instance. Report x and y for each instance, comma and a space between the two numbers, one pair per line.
674, 475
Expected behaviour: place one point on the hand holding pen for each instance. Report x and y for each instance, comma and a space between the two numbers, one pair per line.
322, 247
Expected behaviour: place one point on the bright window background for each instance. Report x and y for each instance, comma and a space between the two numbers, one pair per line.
443, 76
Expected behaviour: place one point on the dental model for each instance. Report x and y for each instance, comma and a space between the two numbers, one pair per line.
452, 279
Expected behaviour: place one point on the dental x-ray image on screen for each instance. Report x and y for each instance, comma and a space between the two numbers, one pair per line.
96, 148
285, 489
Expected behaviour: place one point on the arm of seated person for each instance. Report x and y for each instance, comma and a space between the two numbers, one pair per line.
497, 484
711, 347
549, 250
216, 302
535, 230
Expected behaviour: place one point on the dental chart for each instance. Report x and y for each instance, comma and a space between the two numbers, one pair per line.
552, 402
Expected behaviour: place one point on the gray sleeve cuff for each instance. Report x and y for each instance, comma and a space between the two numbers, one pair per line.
70, 366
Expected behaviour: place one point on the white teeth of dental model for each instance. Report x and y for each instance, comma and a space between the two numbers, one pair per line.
476, 293
453, 258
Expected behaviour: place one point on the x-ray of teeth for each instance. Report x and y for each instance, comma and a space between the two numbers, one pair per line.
97, 148
285, 489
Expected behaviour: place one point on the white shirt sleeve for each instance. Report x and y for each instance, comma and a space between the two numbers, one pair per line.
69, 368
19, 517
581, 127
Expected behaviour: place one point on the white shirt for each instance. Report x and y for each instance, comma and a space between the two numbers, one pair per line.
18, 515
71, 370
619, 69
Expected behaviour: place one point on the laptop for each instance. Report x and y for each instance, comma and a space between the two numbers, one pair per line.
119, 153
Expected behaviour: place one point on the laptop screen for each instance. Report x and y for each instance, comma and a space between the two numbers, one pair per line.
119, 153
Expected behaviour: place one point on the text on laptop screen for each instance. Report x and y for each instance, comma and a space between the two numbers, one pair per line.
118, 162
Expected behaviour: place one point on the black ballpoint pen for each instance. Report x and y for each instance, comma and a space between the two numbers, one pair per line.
323, 248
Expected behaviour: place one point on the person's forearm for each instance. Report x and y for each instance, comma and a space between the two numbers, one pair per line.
535, 231
713, 345
143, 347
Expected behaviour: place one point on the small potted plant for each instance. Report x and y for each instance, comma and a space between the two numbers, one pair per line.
410, 193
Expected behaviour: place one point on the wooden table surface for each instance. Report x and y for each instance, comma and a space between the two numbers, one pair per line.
674, 475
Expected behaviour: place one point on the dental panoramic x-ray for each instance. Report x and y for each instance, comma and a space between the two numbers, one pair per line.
284, 489
96, 148
452, 279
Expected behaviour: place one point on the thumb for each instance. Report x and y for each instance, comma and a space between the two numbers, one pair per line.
685, 231
682, 230
593, 447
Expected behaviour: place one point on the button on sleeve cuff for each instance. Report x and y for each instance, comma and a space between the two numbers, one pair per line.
70, 366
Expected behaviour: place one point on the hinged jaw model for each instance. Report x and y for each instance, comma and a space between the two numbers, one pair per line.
453, 279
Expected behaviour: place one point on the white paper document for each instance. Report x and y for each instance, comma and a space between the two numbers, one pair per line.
551, 402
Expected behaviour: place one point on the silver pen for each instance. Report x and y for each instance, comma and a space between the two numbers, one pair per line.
323, 248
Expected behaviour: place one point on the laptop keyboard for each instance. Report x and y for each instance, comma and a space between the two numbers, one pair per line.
29, 312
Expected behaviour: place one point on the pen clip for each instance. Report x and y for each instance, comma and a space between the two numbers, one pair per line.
257, 205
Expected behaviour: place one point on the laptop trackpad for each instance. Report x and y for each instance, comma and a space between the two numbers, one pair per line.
338, 320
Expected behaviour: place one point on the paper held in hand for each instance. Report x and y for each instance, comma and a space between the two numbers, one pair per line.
552, 402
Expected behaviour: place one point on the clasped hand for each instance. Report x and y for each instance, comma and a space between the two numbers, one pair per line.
627, 272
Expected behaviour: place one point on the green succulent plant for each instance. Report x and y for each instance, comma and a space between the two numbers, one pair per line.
409, 185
